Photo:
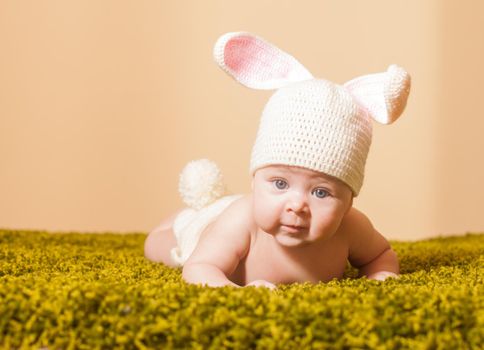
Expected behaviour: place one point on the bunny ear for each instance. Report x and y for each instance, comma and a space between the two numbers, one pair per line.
384, 95
256, 63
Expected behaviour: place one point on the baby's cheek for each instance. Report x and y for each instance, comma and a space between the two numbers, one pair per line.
263, 220
266, 217
325, 225
268, 210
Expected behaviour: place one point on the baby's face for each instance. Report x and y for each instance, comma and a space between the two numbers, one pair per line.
298, 206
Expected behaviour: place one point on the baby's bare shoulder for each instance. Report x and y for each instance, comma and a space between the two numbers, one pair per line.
362, 238
240, 209
355, 221
238, 216
226, 240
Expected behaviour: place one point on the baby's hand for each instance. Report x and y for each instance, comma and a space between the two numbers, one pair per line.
382, 275
262, 283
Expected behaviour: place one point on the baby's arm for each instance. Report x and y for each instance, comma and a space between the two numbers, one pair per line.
219, 251
369, 251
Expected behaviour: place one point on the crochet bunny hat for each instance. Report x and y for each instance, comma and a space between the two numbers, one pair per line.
308, 122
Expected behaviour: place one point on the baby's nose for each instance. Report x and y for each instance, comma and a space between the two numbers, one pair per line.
297, 203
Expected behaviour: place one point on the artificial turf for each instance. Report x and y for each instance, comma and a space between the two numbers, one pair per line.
97, 291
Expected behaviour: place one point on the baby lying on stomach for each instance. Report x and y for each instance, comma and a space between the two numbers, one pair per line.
298, 223
296, 226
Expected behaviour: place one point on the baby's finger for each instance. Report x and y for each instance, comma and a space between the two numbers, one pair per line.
262, 283
382, 275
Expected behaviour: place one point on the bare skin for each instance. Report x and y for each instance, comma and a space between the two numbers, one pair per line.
297, 225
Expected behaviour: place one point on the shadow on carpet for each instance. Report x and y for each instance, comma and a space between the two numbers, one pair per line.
97, 291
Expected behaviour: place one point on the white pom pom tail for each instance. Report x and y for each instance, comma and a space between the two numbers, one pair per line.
201, 183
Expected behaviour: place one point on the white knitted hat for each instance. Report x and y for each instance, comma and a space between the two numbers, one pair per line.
312, 123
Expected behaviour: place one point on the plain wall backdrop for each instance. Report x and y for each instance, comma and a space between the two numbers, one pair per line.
102, 103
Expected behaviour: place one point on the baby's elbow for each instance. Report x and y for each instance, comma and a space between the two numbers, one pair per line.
205, 274
387, 260
394, 258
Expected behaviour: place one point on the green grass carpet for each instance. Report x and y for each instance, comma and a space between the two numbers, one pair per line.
97, 291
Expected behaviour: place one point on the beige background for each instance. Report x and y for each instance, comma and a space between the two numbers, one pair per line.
103, 102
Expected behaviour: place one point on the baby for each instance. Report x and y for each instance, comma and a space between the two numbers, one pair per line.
298, 223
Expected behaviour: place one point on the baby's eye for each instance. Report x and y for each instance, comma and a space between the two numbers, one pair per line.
320, 192
280, 184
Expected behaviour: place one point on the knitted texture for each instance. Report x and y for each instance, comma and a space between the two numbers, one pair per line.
201, 183
384, 95
312, 123
231, 53
316, 125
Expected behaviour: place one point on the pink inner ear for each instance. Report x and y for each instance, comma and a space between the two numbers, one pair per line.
252, 60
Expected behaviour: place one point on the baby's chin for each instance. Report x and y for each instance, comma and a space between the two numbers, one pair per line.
287, 240
299, 240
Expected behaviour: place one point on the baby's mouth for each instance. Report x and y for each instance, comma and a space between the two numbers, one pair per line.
293, 228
